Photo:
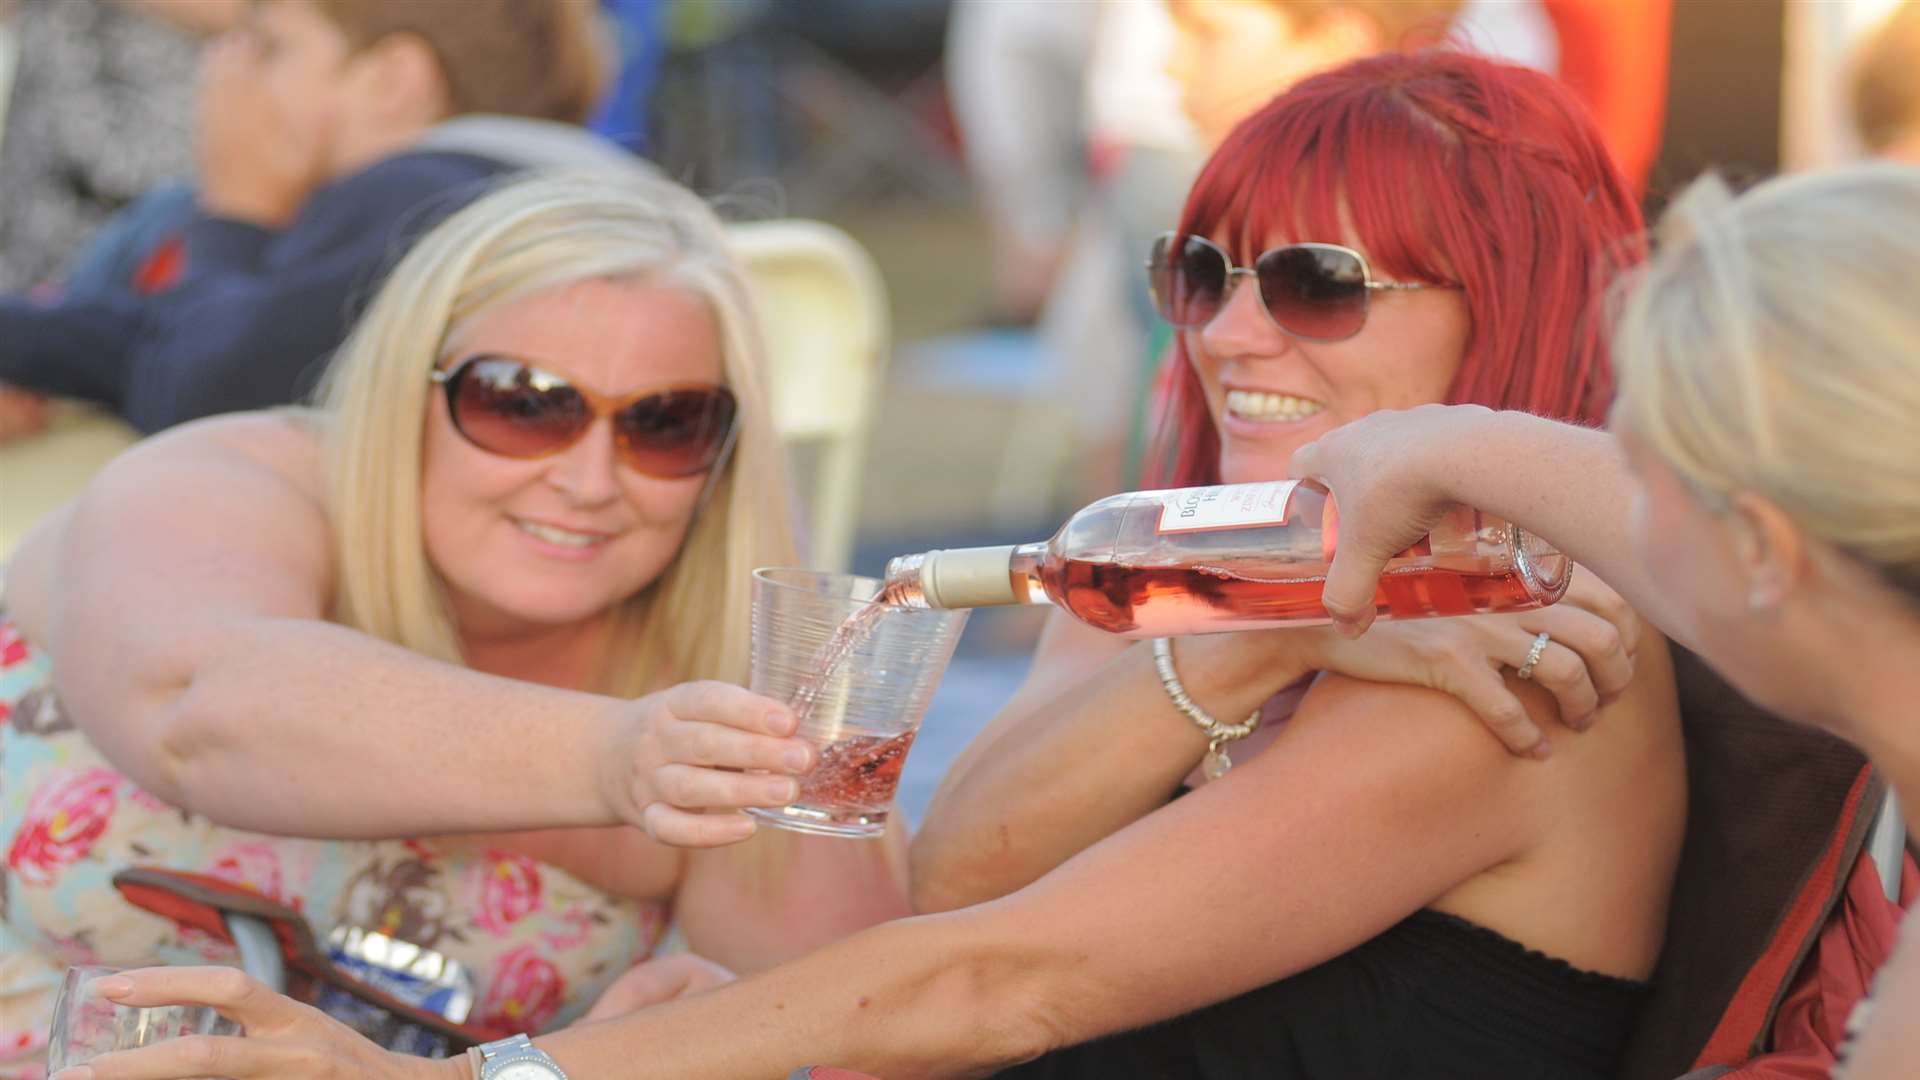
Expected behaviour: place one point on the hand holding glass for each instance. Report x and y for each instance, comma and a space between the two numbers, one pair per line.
858, 674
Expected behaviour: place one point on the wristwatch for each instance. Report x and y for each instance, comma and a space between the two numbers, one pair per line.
514, 1059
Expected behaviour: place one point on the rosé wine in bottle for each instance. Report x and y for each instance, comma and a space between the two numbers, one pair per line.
1232, 557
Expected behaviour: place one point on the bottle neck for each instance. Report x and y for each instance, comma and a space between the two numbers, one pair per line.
968, 577
1023, 573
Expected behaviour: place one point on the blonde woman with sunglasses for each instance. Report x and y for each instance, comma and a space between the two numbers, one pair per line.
470, 630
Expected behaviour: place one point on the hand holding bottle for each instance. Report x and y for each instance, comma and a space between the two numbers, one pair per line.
1393, 472
1233, 557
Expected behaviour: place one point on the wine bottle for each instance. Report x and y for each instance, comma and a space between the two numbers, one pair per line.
1232, 557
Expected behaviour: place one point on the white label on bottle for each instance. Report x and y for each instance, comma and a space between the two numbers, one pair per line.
1232, 506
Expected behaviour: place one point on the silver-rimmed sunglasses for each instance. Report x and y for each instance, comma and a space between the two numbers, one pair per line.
1317, 292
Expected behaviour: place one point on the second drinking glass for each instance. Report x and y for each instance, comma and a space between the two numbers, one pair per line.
86, 1025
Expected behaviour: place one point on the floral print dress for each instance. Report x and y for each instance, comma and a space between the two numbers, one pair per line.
541, 945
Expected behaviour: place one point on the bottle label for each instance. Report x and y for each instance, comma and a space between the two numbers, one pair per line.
1231, 506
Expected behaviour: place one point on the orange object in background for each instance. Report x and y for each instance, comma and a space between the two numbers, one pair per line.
1614, 54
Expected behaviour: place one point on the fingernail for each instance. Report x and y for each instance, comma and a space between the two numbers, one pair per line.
112, 986
797, 758
780, 723
789, 790
1541, 751
1582, 723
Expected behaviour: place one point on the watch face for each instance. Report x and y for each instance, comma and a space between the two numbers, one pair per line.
524, 1070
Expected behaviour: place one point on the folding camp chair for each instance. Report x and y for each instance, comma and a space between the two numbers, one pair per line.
1778, 815
825, 313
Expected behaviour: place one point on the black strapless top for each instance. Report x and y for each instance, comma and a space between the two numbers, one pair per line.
1434, 997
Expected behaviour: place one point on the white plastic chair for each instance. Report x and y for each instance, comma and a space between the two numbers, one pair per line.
825, 313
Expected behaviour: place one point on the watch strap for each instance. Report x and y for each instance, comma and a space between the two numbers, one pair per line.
512, 1048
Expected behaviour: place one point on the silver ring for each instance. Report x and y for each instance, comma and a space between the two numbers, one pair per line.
1525, 670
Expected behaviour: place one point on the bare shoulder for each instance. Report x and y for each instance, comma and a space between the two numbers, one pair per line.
1429, 753
1577, 851
1449, 749
229, 507
280, 446
232, 504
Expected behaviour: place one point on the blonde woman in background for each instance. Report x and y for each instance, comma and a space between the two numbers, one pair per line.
1759, 499
467, 628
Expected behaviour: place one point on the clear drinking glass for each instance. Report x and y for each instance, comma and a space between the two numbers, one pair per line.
858, 673
86, 1025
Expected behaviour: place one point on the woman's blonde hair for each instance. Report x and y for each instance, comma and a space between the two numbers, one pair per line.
1773, 346
528, 237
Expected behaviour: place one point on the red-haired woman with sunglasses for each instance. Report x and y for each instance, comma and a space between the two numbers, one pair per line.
454, 657
1406, 229
1381, 889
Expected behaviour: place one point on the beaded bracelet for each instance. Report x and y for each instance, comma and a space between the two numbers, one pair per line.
1217, 762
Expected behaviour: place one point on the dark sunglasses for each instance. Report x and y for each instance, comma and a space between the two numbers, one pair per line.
1318, 292
511, 408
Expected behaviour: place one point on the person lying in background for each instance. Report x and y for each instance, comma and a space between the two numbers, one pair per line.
329, 133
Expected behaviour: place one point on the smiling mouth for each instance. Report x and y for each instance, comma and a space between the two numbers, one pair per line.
1259, 406
563, 537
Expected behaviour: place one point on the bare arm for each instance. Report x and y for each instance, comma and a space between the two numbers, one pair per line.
1092, 743
183, 599
1393, 472
1234, 905
782, 895
1089, 745
1254, 878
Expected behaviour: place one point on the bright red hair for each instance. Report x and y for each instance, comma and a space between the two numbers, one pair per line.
1452, 168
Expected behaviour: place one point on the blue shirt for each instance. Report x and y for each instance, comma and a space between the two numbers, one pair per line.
256, 312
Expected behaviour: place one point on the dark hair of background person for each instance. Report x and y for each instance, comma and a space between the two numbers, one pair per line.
538, 58
1724, 95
